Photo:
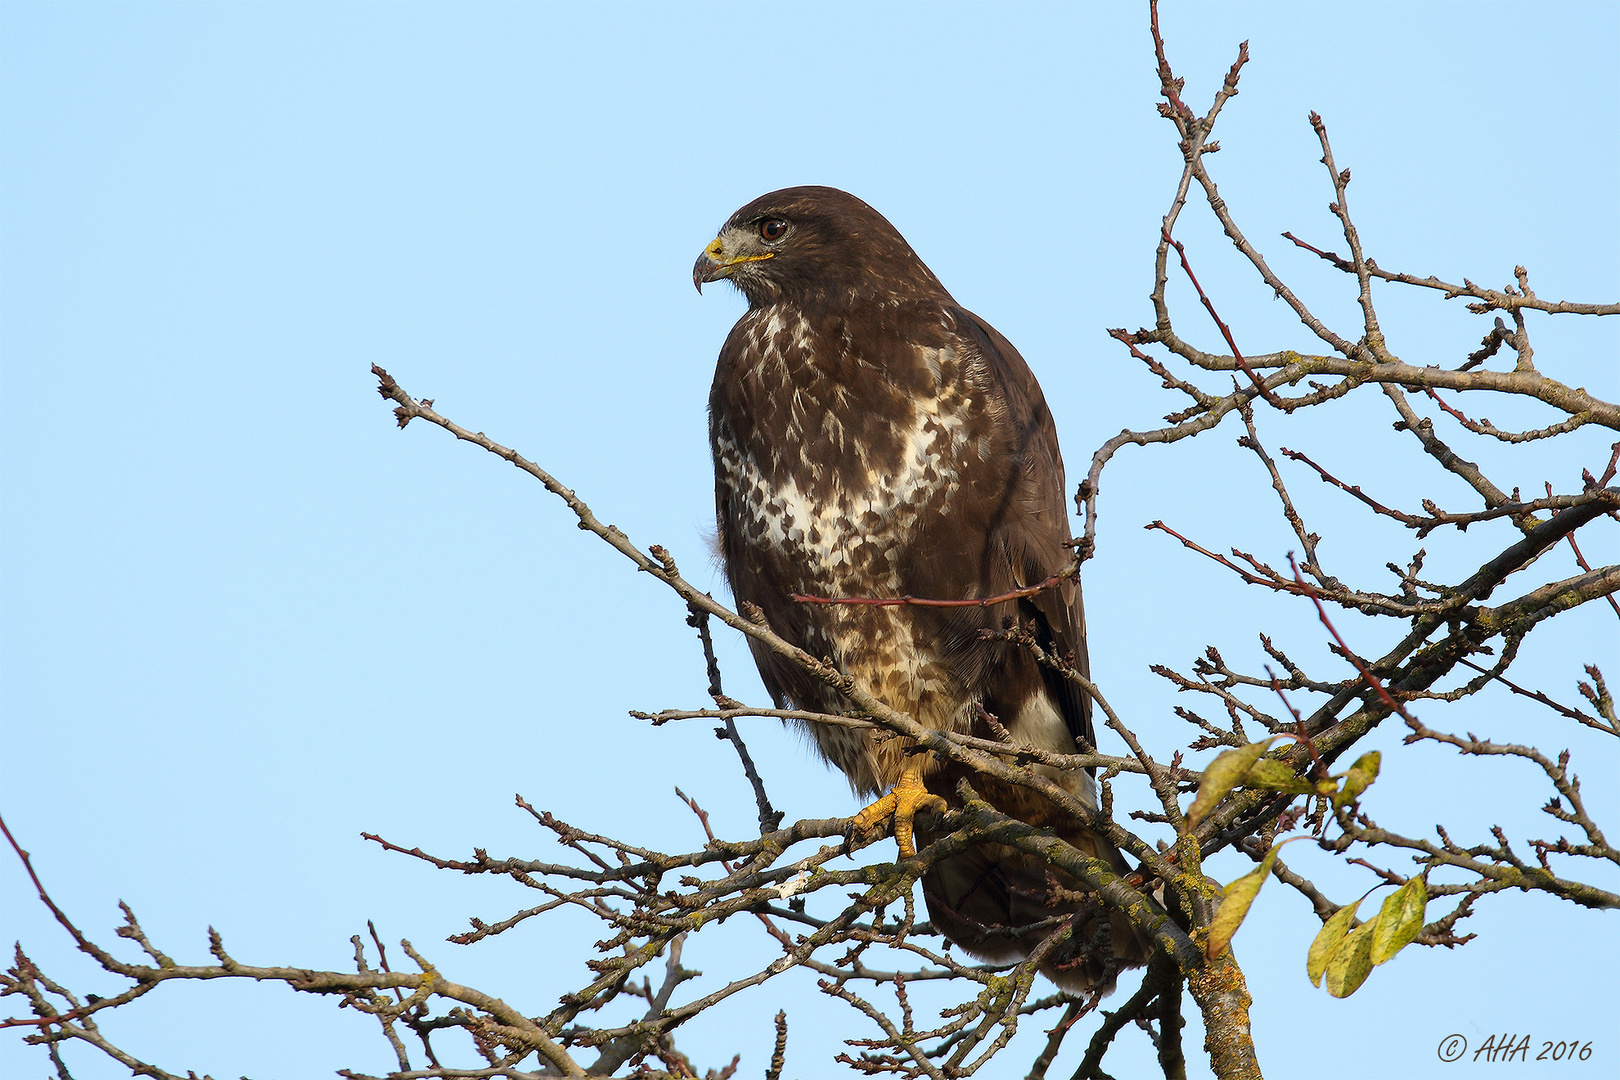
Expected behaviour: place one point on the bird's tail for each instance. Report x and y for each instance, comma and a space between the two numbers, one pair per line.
1000, 904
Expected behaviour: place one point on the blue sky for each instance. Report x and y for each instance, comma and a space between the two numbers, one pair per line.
243, 618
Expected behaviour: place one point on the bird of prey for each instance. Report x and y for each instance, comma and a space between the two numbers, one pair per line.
873, 439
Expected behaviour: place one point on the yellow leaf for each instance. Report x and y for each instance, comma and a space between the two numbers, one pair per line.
1350, 963
1399, 920
1359, 777
1274, 774
1328, 940
1223, 774
1235, 904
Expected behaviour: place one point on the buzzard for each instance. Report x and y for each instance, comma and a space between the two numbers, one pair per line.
873, 439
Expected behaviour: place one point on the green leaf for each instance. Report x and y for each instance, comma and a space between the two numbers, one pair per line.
1358, 779
1235, 904
1399, 920
1223, 774
1351, 962
1328, 940
1274, 774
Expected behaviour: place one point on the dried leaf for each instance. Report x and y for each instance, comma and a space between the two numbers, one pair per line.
1399, 920
1328, 940
1223, 774
1235, 904
1351, 962
1358, 779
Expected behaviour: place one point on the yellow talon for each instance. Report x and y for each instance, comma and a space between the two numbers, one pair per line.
905, 800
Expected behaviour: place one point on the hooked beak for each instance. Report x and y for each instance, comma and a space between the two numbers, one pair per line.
715, 264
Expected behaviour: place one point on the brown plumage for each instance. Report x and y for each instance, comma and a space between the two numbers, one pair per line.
872, 438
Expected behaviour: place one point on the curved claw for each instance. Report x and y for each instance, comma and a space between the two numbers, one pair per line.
903, 803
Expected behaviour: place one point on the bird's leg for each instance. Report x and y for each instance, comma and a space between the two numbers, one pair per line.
903, 802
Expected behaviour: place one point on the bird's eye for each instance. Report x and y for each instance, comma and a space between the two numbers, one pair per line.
772, 229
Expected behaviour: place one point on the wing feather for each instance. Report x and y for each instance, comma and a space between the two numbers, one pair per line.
1031, 533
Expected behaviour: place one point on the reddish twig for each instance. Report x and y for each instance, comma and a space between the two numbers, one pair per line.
61, 917
1437, 517
30, 971
1368, 676
1608, 473
1455, 414
415, 852
84, 943
1351, 489
1490, 299
1319, 770
916, 601
1259, 384
1341, 263
1580, 560
703, 819
36, 1021
1252, 579
1483, 425
1534, 695
382, 957
1170, 85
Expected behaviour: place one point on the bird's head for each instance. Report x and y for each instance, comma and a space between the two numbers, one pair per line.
810, 244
